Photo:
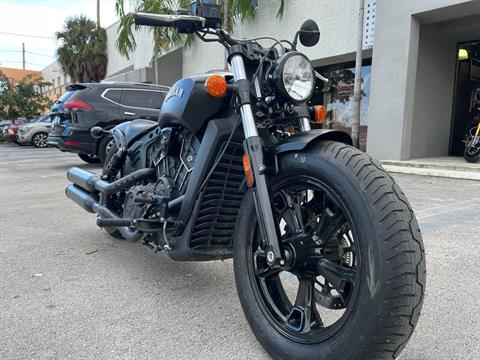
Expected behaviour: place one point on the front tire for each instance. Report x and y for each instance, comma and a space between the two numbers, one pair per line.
382, 291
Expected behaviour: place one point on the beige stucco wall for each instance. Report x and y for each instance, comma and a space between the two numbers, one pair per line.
398, 97
337, 20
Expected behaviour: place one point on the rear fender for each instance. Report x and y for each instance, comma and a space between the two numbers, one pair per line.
118, 133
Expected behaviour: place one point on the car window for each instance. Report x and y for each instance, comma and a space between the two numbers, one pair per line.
143, 99
113, 94
65, 96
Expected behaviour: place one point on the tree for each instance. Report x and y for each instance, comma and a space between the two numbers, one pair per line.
166, 38
82, 53
357, 87
22, 99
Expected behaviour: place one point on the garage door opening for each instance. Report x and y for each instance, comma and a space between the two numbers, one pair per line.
466, 100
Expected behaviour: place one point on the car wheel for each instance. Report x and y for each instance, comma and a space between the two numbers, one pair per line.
90, 159
40, 140
104, 147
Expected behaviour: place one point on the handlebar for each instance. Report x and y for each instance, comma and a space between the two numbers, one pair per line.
182, 23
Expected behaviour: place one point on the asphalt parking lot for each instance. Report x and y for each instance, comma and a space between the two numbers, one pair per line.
69, 291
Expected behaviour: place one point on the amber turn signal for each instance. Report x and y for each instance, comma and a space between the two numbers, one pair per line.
216, 85
320, 114
248, 170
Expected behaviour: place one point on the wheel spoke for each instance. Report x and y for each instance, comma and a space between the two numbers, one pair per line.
335, 274
304, 315
289, 209
329, 222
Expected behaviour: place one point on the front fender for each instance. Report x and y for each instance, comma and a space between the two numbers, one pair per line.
301, 141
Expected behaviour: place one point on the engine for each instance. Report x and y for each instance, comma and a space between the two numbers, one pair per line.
173, 156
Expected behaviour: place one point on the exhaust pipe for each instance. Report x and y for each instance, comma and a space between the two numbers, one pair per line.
92, 182
87, 186
88, 203
80, 197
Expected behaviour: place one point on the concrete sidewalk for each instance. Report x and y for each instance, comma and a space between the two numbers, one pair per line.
448, 167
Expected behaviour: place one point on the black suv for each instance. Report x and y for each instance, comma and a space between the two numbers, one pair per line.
104, 104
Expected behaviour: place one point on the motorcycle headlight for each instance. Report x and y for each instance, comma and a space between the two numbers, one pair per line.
295, 77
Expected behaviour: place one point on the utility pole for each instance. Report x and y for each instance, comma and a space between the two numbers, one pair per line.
357, 87
23, 55
98, 13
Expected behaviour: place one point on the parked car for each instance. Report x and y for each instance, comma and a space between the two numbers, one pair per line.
4, 124
104, 104
10, 131
36, 132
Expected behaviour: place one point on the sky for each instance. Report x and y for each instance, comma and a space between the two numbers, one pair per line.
40, 19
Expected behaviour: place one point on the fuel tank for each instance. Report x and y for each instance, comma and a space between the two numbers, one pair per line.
189, 105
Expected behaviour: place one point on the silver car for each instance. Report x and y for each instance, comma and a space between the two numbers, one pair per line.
36, 132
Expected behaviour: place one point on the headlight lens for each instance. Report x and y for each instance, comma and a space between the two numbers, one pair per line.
297, 77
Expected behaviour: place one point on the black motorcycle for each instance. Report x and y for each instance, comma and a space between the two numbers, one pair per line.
328, 258
472, 141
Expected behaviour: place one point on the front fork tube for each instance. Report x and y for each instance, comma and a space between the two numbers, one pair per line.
254, 149
261, 195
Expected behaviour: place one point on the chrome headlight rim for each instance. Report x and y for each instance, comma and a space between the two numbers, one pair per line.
279, 78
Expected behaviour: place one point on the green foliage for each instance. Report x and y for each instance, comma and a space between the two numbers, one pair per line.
166, 38
2, 138
23, 99
83, 50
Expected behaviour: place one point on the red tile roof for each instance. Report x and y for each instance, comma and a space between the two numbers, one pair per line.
19, 74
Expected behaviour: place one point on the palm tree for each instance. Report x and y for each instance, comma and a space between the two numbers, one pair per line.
82, 53
165, 38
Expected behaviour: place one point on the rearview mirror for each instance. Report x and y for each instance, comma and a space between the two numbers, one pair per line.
309, 34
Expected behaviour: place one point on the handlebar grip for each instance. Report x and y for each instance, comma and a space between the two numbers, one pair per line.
151, 20
184, 24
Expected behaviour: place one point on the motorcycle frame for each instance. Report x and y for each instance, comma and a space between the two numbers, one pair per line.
215, 134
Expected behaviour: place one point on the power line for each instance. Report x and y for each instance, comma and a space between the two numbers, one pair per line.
47, 56
27, 35
29, 52
34, 64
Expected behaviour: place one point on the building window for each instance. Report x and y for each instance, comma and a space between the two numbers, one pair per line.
58, 81
53, 83
337, 97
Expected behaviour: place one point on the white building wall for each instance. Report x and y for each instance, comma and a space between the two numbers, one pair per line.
337, 20
139, 59
52, 74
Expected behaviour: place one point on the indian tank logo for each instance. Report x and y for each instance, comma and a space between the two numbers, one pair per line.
175, 92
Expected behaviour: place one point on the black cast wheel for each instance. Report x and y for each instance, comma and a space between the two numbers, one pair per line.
472, 144
353, 283
40, 140
90, 159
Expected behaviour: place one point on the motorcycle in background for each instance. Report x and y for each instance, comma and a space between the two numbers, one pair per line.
472, 141
328, 258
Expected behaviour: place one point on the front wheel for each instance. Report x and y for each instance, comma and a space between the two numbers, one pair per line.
354, 279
